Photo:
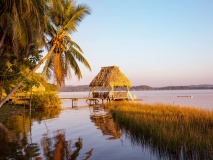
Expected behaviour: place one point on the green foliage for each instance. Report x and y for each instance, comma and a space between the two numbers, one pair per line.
26, 27
37, 77
45, 101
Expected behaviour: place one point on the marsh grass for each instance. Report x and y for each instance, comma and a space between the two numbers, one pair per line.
173, 132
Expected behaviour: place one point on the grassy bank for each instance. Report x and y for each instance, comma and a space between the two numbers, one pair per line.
171, 131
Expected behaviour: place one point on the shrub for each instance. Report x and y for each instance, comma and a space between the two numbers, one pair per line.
45, 101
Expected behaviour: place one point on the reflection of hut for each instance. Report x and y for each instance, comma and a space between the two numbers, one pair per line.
110, 78
106, 124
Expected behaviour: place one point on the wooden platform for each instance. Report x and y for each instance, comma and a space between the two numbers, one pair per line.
92, 101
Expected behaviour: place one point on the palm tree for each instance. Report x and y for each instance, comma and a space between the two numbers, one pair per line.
64, 16
20, 23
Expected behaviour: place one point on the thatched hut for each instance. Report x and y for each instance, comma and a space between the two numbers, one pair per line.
110, 78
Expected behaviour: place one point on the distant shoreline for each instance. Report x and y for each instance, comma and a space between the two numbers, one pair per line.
85, 88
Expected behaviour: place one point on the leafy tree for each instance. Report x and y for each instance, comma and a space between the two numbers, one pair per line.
21, 35
61, 21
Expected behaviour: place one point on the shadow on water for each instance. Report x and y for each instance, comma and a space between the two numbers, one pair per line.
13, 139
15, 135
104, 121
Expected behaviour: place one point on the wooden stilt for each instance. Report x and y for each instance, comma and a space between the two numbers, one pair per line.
130, 94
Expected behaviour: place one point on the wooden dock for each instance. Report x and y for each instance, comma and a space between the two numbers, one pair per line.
90, 101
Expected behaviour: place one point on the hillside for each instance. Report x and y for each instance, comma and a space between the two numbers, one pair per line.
85, 88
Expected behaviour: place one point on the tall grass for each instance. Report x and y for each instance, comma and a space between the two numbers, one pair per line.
172, 132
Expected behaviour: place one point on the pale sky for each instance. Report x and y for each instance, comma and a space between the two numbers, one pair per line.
154, 42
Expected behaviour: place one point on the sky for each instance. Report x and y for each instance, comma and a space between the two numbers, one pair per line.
153, 42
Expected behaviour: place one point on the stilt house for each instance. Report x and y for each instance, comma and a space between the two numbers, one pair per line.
110, 79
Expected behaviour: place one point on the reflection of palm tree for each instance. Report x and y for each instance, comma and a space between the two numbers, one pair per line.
58, 147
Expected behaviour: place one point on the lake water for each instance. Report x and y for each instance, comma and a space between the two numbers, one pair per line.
88, 132
195, 98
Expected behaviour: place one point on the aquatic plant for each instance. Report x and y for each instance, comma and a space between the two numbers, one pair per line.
172, 132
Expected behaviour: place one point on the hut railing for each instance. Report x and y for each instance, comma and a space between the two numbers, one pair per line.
101, 95
120, 95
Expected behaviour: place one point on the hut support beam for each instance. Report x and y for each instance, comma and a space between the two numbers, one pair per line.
90, 93
113, 93
130, 94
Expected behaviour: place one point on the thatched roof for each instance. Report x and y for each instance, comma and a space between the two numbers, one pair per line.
110, 77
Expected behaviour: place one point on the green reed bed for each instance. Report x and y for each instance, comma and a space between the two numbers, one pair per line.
171, 131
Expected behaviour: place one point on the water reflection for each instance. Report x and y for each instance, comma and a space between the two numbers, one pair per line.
48, 113
57, 147
104, 121
13, 134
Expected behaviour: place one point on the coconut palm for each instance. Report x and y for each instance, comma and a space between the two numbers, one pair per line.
20, 23
64, 17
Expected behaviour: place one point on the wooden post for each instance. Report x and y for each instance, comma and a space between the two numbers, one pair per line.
129, 94
108, 94
74, 102
113, 92
90, 92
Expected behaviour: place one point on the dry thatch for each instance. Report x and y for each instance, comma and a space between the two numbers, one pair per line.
110, 77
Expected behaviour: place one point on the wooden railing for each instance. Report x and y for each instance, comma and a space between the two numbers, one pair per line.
101, 95
120, 95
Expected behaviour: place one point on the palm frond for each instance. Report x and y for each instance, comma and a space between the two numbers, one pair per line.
67, 67
69, 10
78, 14
74, 65
47, 70
58, 68
73, 43
79, 57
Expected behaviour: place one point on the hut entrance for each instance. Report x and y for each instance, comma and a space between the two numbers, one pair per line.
110, 84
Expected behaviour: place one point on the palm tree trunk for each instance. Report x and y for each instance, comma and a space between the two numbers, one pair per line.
3, 37
1, 86
33, 70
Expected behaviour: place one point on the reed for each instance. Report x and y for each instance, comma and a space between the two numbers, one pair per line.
171, 131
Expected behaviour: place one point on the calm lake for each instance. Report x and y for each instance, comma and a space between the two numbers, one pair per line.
89, 132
